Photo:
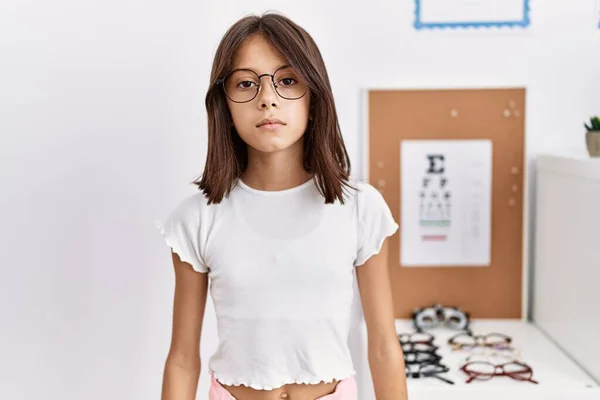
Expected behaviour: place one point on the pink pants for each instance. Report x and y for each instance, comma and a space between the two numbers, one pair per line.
345, 390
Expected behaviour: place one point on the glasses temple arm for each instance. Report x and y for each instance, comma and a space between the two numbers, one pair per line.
444, 379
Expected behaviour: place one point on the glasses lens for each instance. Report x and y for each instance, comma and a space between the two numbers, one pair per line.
432, 369
456, 319
518, 371
464, 340
421, 337
426, 318
481, 370
288, 83
497, 340
241, 85
423, 347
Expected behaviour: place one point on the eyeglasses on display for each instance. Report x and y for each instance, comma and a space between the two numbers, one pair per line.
482, 370
438, 315
416, 337
468, 340
428, 370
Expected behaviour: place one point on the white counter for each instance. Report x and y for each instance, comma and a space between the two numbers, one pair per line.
558, 376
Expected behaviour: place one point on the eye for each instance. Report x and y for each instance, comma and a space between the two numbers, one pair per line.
287, 81
245, 84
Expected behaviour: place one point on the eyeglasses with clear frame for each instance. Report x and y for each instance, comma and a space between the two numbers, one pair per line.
243, 85
468, 340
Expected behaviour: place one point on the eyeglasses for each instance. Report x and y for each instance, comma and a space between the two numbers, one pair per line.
482, 370
242, 85
437, 315
467, 340
421, 347
428, 370
415, 337
421, 357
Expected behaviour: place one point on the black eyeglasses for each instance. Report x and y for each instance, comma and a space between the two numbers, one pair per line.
243, 85
467, 340
416, 337
421, 357
437, 315
428, 370
420, 347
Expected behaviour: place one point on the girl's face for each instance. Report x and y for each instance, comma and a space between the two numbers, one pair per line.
257, 55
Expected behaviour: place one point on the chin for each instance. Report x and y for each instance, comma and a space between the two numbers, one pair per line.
272, 146
266, 143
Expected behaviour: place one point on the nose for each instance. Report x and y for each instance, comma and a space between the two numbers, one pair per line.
267, 96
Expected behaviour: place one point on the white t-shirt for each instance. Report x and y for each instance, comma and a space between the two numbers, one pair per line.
280, 266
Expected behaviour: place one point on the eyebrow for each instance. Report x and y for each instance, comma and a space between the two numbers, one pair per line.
253, 70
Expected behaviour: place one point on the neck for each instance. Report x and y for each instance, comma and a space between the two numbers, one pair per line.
276, 170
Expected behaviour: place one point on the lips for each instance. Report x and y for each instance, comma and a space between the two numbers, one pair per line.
270, 122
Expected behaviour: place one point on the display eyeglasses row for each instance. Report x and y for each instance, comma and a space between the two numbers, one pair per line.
489, 355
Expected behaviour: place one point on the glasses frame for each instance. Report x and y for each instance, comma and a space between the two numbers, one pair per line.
421, 357
480, 341
410, 347
499, 370
401, 337
221, 82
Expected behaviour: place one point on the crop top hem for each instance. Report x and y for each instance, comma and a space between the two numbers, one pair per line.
284, 381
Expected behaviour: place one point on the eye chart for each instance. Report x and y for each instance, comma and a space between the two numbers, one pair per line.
446, 202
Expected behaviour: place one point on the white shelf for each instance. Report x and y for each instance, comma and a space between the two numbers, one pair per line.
558, 376
567, 255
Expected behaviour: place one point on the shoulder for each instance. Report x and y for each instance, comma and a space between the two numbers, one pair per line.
191, 208
365, 193
369, 202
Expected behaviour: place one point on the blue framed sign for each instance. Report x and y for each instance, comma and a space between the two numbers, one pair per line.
432, 14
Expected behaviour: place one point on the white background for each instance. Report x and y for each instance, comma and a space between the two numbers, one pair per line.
102, 126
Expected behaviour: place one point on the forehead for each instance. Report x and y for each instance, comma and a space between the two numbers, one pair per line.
257, 54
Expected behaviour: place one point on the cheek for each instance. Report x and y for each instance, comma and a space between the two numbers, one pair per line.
301, 113
237, 114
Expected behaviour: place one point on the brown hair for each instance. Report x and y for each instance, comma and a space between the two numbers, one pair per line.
325, 154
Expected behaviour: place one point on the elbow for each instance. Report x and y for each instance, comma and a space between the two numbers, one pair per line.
183, 362
385, 351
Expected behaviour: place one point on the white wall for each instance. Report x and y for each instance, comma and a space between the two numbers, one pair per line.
102, 125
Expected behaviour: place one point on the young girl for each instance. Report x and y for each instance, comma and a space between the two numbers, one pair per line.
278, 229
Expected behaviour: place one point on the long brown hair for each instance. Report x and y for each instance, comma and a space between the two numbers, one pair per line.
325, 154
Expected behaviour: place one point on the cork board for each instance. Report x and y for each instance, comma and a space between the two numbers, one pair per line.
494, 291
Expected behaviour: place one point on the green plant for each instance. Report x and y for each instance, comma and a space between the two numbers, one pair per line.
594, 124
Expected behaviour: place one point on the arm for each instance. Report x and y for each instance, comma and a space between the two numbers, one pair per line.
182, 367
386, 360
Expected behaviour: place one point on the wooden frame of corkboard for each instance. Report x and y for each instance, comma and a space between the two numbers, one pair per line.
497, 291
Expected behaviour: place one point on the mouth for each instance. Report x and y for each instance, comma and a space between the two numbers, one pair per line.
270, 123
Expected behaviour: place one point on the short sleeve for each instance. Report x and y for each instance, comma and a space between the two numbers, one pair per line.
375, 222
182, 230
